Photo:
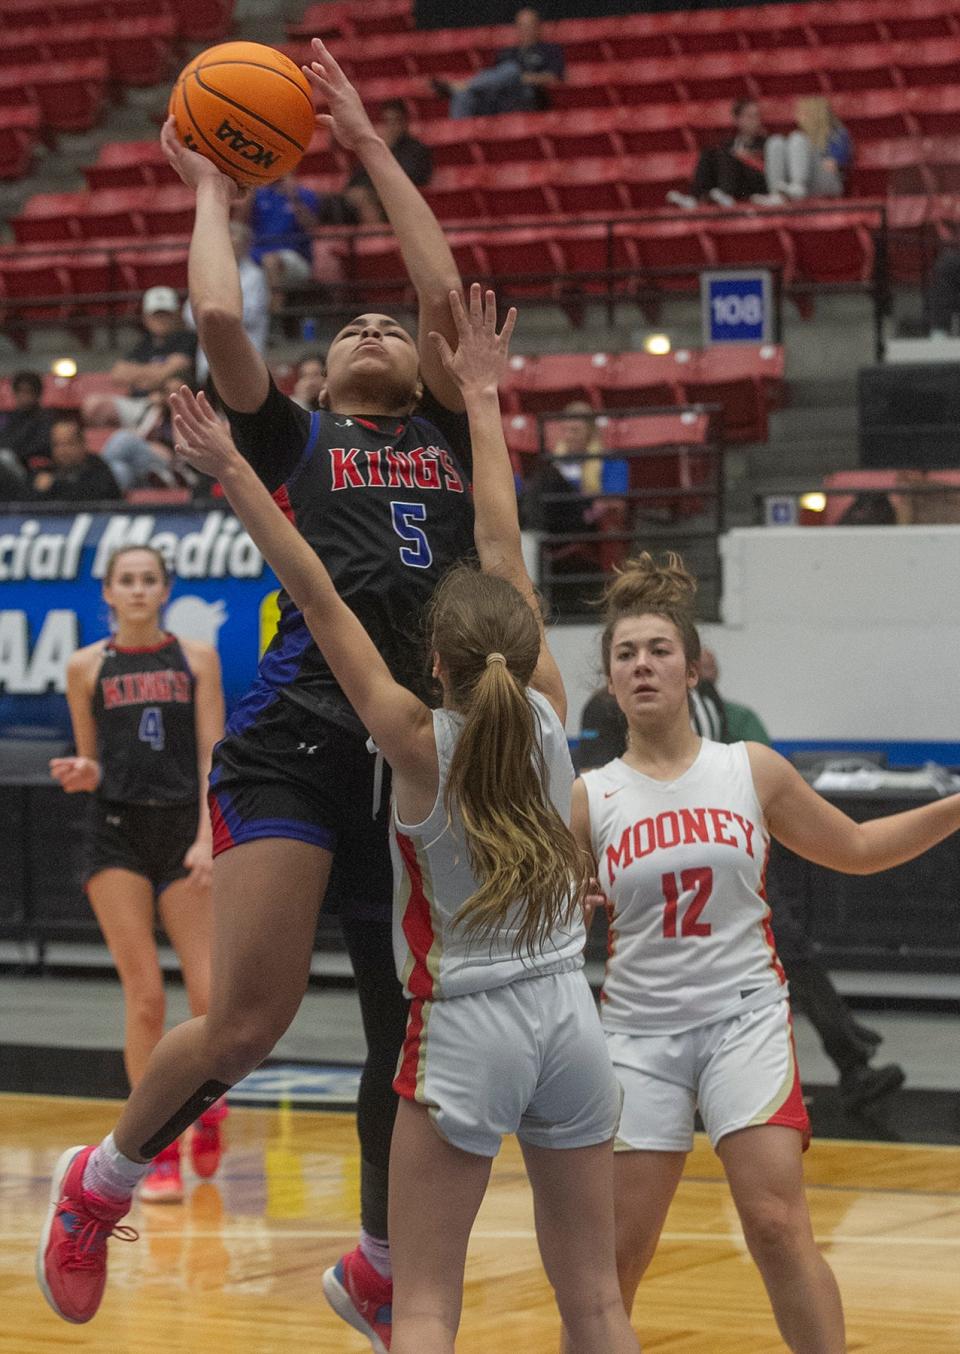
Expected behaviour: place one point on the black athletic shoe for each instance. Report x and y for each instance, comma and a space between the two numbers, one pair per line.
862, 1085
441, 88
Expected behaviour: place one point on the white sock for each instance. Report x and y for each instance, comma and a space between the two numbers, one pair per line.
378, 1253
110, 1174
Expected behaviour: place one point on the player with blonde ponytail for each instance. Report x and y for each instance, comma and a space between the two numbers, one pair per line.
503, 1035
695, 1006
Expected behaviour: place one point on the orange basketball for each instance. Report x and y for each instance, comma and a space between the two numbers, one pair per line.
247, 108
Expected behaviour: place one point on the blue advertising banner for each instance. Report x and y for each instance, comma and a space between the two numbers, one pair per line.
51, 570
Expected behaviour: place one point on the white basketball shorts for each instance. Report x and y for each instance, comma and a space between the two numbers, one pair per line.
739, 1073
526, 1058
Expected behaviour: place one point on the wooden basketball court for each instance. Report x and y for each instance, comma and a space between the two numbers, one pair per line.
236, 1268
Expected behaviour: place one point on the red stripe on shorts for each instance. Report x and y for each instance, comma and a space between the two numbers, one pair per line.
793, 1112
405, 1082
222, 836
417, 923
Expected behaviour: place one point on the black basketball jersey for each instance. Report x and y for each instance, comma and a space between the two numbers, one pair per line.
386, 504
146, 727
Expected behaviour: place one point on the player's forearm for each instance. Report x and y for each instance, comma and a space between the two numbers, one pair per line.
426, 254
886, 842
213, 276
300, 572
496, 522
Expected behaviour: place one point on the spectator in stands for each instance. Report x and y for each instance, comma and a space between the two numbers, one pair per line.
733, 172
413, 157
143, 457
166, 349
282, 217
518, 81
25, 430
77, 475
579, 436
813, 160
869, 510
254, 290
943, 298
311, 378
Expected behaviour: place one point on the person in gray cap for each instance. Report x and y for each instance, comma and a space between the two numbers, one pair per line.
166, 349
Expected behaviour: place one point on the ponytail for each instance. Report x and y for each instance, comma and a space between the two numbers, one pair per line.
530, 870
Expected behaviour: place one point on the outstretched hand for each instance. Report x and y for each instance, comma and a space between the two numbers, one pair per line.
480, 360
200, 437
193, 168
347, 118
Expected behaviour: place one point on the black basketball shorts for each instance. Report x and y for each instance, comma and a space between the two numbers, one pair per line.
148, 839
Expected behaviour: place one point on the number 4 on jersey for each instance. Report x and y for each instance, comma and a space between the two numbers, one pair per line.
151, 728
700, 884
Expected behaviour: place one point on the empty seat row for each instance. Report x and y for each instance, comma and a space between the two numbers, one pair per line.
19, 133
196, 20
762, 26
69, 95
137, 51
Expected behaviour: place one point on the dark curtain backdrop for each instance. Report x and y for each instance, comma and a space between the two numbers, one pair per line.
461, 13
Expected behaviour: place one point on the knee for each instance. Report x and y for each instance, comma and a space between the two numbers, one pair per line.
773, 1230
147, 1007
587, 1310
239, 1041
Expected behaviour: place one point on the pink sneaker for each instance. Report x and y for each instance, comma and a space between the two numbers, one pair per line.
163, 1183
206, 1140
362, 1297
72, 1254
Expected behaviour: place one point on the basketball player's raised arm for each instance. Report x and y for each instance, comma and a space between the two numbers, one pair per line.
426, 254
811, 827
239, 372
477, 367
400, 723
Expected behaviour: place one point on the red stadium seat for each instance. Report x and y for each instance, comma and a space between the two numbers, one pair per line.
324, 156
845, 32
169, 210
522, 436
586, 133
761, 39
511, 190
858, 67
752, 241
908, 28
933, 61
374, 17
626, 46
941, 159
39, 275
935, 109
510, 136
454, 192
92, 271
739, 394
589, 252
377, 266
874, 115
585, 86
685, 427
322, 20
49, 217
114, 214
511, 255
648, 178
674, 245
163, 265
69, 94
724, 76
883, 167
655, 129
591, 187
203, 20
19, 130
631, 380
831, 247
451, 142
552, 381
787, 71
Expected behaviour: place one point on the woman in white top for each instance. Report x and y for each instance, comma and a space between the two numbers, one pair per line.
695, 1003
503, 1035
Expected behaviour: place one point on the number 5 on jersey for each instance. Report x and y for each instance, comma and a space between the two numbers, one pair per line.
700, 884
416, 552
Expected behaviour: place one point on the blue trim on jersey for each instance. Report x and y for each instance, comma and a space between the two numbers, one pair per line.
316, 423
258, 699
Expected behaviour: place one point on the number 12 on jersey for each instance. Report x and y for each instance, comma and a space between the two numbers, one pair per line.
700, 884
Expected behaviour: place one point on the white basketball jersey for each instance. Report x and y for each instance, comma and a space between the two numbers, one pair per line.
683, 864
435, 956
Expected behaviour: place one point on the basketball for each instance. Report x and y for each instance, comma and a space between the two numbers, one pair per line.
247, 108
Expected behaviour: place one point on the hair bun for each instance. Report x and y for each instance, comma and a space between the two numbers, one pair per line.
645, 582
